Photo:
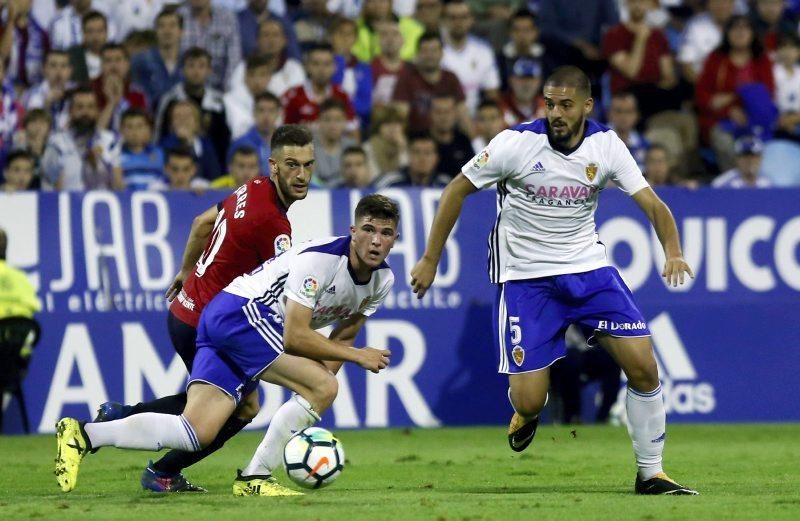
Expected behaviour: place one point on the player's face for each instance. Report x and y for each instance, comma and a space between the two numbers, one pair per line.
270, 38
371, 240
566, 112
57, 69
292, 167
19, 174
320, 67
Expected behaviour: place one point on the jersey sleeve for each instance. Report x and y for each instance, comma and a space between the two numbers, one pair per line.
624, 170
376, 300
487, 167
306, 280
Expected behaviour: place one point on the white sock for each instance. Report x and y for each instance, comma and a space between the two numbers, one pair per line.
647, 426
293, 416
145, 431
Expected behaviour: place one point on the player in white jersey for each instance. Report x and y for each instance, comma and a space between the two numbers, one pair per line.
551, 268
262, 326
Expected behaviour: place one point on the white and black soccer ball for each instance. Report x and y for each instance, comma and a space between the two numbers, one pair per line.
314, 458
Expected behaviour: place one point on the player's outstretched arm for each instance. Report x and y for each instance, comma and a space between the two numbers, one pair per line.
449, 209
198, 236
300, 340
659, 214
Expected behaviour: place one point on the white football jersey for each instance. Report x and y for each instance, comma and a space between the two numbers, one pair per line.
316, 274
546, 199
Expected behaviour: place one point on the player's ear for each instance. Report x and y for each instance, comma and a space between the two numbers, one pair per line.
273, 166
588, 106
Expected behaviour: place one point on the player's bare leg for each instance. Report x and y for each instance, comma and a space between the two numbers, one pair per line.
646, 414
207, 410
528, 395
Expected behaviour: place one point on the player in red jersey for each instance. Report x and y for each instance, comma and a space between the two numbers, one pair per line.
231, 238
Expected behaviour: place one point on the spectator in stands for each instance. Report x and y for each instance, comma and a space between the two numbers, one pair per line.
11, 110
489, 123
67, 29
267, 109
387, 65
243, 166
115, 93
84, 156
186, 131
216, 30
373, 12
330, 141
157, 69
51, 93
142, 161
195, 87
354, 77
429, 14
250, 19
523, 42
181, 172
287, 72
657, 166
17, 296
416, 87
301, 104
734, 91
421, 170
641, 62
387, 147
85, 56
18, 172
311, 23
470, 58
623, 117
748, 163
239, 102
454, 148
355, 170
30, 44
129, 16
33, 138
703, 34
770, 21
523, 101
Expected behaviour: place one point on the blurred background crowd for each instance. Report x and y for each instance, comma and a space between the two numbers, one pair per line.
159, 95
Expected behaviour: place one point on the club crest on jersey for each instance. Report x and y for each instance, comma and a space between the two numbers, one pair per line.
310, 287
518, 354
282, 243
591, 171
481, 160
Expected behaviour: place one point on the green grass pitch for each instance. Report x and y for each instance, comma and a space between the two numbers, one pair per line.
583, 472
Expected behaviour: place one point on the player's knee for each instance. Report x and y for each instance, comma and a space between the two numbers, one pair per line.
204, 433
643, 376
324, 393
528, 405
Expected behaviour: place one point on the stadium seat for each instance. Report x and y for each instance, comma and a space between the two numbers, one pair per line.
18, 336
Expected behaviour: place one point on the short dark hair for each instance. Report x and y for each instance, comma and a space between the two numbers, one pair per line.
354, 149
170, 10
37, 115
194, 53
290, 135
267, 96
421, 136
80, 89
523, 13
19, 153
571, 77
255, 61
319, 47
489, 104
56, 52
179, 151
341, 21
111, 46
428, 36
243, 150
93, 15
135, 112
379, 206
658, 146
332, 104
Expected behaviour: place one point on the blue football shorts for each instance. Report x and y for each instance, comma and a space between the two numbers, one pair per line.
532, 316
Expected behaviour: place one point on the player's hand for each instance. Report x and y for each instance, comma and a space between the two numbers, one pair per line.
175, 287
373, 359
422, 276
674, 269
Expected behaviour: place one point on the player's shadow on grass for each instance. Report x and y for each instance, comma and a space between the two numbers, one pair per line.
549, 489
473, 393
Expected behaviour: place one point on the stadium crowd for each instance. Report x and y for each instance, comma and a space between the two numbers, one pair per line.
157, 95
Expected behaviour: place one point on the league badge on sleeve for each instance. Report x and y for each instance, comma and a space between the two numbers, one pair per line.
481, 160
591, 171
282, 243
310, 287
518, 354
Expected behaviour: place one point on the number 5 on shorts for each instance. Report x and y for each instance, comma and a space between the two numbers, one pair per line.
516, 330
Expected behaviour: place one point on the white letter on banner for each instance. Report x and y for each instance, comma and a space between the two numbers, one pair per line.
141, 362
400, 376
96, 252
76, 351
406, 244
716, 254
627, 230
344, 407
754, 229
156, 239
692, 248
429, 199
785, 246
65, 245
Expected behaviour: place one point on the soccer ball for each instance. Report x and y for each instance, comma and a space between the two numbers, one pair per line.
314, 458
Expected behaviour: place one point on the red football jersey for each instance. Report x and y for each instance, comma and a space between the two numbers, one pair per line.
251, 227
300, 107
